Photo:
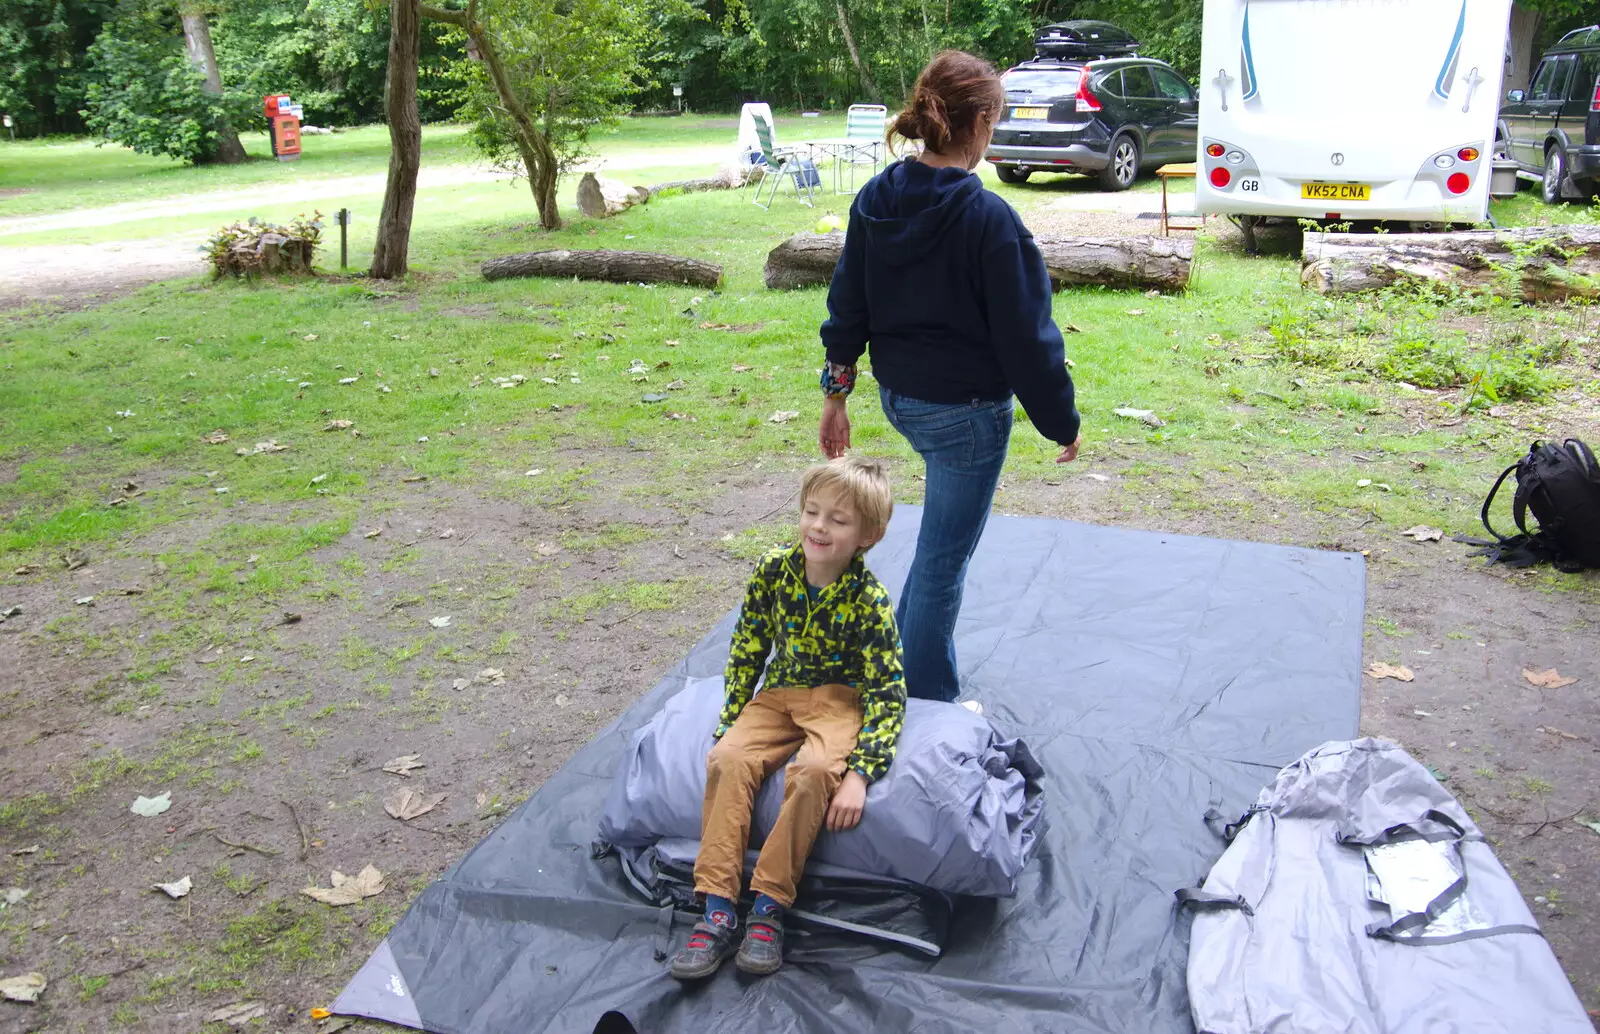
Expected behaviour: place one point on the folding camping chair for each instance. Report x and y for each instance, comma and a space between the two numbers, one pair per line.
784, 163
864, 129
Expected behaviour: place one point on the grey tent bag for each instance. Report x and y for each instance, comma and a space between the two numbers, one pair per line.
1358, 897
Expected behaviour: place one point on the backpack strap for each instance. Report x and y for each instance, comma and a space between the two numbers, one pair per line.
1484, 514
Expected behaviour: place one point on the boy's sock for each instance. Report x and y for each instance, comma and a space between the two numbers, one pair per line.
720, 912
767, 908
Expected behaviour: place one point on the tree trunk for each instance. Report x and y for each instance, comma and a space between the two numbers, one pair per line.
807, 260
197, 39
855, 55
602, 199
618, 267
1524, 26
730, 178
390, 256
1534, 264
538, 157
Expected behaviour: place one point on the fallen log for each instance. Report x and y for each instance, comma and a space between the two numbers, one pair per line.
620, 267
602, 199
1142, 262
731, 177
1534, 264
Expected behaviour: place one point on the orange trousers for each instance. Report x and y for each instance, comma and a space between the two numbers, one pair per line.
823, 722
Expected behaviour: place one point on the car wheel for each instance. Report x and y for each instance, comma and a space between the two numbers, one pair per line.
1555, 170
1010, 175
1123, 168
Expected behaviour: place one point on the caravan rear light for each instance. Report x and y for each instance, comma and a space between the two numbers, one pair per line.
1458, 183
1215, 150
1087, 101
1468, 154
1220, 177
1235, 157
1443, 161
1594, 105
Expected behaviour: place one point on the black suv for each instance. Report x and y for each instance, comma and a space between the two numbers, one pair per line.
1088, 103
1552, 129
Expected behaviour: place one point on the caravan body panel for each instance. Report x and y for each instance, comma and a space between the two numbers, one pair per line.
1351, 109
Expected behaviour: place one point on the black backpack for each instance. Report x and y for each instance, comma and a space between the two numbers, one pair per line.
1561, 485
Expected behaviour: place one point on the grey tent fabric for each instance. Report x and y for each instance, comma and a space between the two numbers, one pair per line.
1156, 678
1360, 898
960, 810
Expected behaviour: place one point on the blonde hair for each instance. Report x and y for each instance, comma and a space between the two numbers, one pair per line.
864, 482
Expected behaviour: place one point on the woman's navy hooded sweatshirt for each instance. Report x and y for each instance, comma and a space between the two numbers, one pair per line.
947, 285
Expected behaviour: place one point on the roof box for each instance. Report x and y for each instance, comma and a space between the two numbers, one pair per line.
1084, 39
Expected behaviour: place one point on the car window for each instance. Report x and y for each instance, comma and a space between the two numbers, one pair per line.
1040, 84
1540, 90
1111, 84
1563, 77
1583, 79
1138, 82
1170, 86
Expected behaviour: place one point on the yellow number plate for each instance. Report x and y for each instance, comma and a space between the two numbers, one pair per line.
1336, 191
1030, 113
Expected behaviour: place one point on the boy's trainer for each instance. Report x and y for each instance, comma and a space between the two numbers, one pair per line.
762, 950
708, 948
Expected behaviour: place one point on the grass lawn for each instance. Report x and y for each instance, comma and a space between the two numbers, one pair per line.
246, 630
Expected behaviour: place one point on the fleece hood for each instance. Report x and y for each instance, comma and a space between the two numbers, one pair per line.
909, 208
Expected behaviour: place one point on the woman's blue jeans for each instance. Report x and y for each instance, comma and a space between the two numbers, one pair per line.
964, 446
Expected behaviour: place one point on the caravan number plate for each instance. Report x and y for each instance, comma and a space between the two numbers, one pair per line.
1336, 192
1030, 113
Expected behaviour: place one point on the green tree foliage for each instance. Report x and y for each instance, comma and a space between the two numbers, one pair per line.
328, 55
146, 94
43, 75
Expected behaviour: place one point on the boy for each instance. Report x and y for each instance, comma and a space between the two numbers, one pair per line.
835, 690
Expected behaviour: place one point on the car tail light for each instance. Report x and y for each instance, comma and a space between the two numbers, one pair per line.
1215, 150
1468, 154
1220, 177
1458, 183
1594, 105
1087, 101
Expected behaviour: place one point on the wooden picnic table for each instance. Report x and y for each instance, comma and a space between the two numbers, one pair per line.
1186, 170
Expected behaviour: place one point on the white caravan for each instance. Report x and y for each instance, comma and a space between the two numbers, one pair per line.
1350, 109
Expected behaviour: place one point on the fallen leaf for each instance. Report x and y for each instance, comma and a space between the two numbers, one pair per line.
1134, 312
176, 890
459, 684
335, 1026
1590, 823
442, 621
347, 890
10, 612
309, 337
1364, 482
239, 1013
1072, 328
348, 380
84, 601
150, 807
657, 397
1380, 670
783, 416
216, 437
665, 364
414, 479
491, 677
742, 368
223, 491
554, 356
374, 533
74, 561
16, 896
26, 988
407, 803
319, 479
339, 425
25, 850
1423, 533
25, 570
1097, 477
1423, 714
547, 549
535, 472
561, 700
678, 385
404, 764
448, 533
1547, 679
270, 445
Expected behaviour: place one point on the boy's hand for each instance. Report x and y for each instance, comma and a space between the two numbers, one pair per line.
848, 801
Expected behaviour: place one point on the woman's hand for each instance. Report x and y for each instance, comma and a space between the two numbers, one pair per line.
1070, 452
844, 811
834, 435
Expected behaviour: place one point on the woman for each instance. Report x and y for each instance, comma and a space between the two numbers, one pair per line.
942, 279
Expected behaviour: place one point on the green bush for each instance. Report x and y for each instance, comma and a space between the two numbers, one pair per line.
149, 97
